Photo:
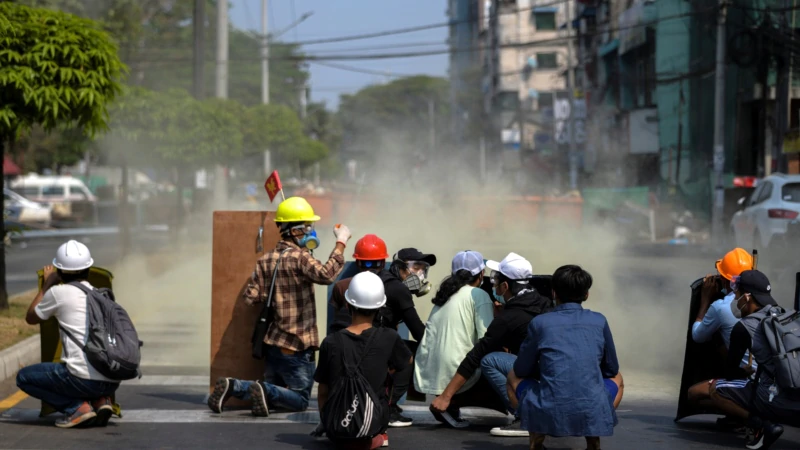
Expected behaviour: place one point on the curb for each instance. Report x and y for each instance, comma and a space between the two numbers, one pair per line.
19, 355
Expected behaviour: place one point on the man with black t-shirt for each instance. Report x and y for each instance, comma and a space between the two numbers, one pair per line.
386, 352
405, 277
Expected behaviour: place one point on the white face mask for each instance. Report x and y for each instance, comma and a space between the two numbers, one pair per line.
735, 309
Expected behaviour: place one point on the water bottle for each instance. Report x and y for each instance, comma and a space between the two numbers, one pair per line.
773, 391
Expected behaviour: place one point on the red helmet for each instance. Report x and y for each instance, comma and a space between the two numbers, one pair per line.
370, 247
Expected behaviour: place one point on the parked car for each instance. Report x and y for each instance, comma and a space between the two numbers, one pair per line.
24, 211
764, 218
65, 194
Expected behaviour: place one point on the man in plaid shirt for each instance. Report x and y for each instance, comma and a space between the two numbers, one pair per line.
292, 337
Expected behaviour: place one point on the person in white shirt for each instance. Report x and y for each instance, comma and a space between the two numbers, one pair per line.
73, 386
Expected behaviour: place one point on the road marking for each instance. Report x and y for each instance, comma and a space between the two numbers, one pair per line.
420, 414
169, 380
12, 400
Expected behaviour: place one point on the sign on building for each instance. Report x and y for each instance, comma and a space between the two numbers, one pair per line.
562, 112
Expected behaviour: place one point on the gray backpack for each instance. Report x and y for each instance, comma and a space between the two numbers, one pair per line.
782, 329
112, 344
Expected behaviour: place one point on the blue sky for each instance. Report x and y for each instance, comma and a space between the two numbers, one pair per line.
335, 18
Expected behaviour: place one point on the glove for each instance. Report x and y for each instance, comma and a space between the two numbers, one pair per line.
319, 431
342, 233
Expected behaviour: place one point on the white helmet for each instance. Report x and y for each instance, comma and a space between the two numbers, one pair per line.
73, 257
366, 291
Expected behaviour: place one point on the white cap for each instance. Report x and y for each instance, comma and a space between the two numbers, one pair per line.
366, 291
73, 256
513, 266
468, 260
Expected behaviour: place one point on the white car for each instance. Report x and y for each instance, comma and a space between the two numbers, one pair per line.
24, 211
765, 216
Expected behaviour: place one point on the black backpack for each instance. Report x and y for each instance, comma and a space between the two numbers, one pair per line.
353, 410
112, 344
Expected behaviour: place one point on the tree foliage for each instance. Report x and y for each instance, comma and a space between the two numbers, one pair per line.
394, 116
55, 69
172, 128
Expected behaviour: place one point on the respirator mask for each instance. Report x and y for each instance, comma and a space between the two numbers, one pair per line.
416, 281
309, 239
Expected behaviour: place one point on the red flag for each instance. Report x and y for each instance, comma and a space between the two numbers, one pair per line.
273, 185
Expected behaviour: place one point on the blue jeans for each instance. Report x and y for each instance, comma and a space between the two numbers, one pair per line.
288, 380
495, 368
53, 384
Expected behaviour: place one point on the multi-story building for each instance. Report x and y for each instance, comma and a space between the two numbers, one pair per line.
465, 20
522, 75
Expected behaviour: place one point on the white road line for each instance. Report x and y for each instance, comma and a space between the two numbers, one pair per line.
169, 380
421, 416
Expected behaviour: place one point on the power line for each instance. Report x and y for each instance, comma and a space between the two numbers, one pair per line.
419, 27
360, 70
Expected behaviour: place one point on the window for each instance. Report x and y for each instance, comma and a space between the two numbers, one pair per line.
28, 191
545, 100
544, 21
546, 61
53, 191
763, 194
507, 101
791, 192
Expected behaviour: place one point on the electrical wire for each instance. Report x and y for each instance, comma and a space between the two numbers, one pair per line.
542, 42
360, 70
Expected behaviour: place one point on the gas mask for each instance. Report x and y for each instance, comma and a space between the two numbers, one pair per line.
416, 282
309, 239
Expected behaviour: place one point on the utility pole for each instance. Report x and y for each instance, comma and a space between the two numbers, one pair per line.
782, 92
221, 91
719, 130
199, 25
432, 122
264, 52
573, 153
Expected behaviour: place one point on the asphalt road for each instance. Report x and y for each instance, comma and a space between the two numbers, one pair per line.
646, 300
170, 412
22, 261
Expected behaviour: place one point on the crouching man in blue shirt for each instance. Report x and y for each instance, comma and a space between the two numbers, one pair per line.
557, 382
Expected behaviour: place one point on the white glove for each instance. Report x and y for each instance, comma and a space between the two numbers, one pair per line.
342, 233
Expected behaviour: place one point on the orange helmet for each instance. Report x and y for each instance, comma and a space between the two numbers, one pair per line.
734, 263
370, 247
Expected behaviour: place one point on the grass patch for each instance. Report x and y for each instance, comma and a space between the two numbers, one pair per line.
13, 328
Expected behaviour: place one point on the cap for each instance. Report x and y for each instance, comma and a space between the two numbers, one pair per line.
412, 254
513, 266
468, 260
755, 283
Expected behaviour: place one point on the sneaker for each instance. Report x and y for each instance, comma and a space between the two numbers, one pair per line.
103, 408
259, 407
222, 392
83, 415
514, 429
396, 419
765, 436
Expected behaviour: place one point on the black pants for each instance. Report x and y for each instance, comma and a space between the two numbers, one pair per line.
401, 380
481, 395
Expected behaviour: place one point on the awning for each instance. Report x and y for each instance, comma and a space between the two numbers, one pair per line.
9, 168
589, 11
608, 47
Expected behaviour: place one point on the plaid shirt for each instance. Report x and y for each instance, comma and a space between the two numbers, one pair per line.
294, 324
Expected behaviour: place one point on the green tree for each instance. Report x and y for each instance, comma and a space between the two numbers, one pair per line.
55, 69
393, 117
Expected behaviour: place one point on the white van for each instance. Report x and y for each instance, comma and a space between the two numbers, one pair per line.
58, 191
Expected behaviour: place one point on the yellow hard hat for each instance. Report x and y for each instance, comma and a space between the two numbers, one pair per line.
295, 209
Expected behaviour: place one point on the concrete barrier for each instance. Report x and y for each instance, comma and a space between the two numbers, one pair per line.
19, 355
